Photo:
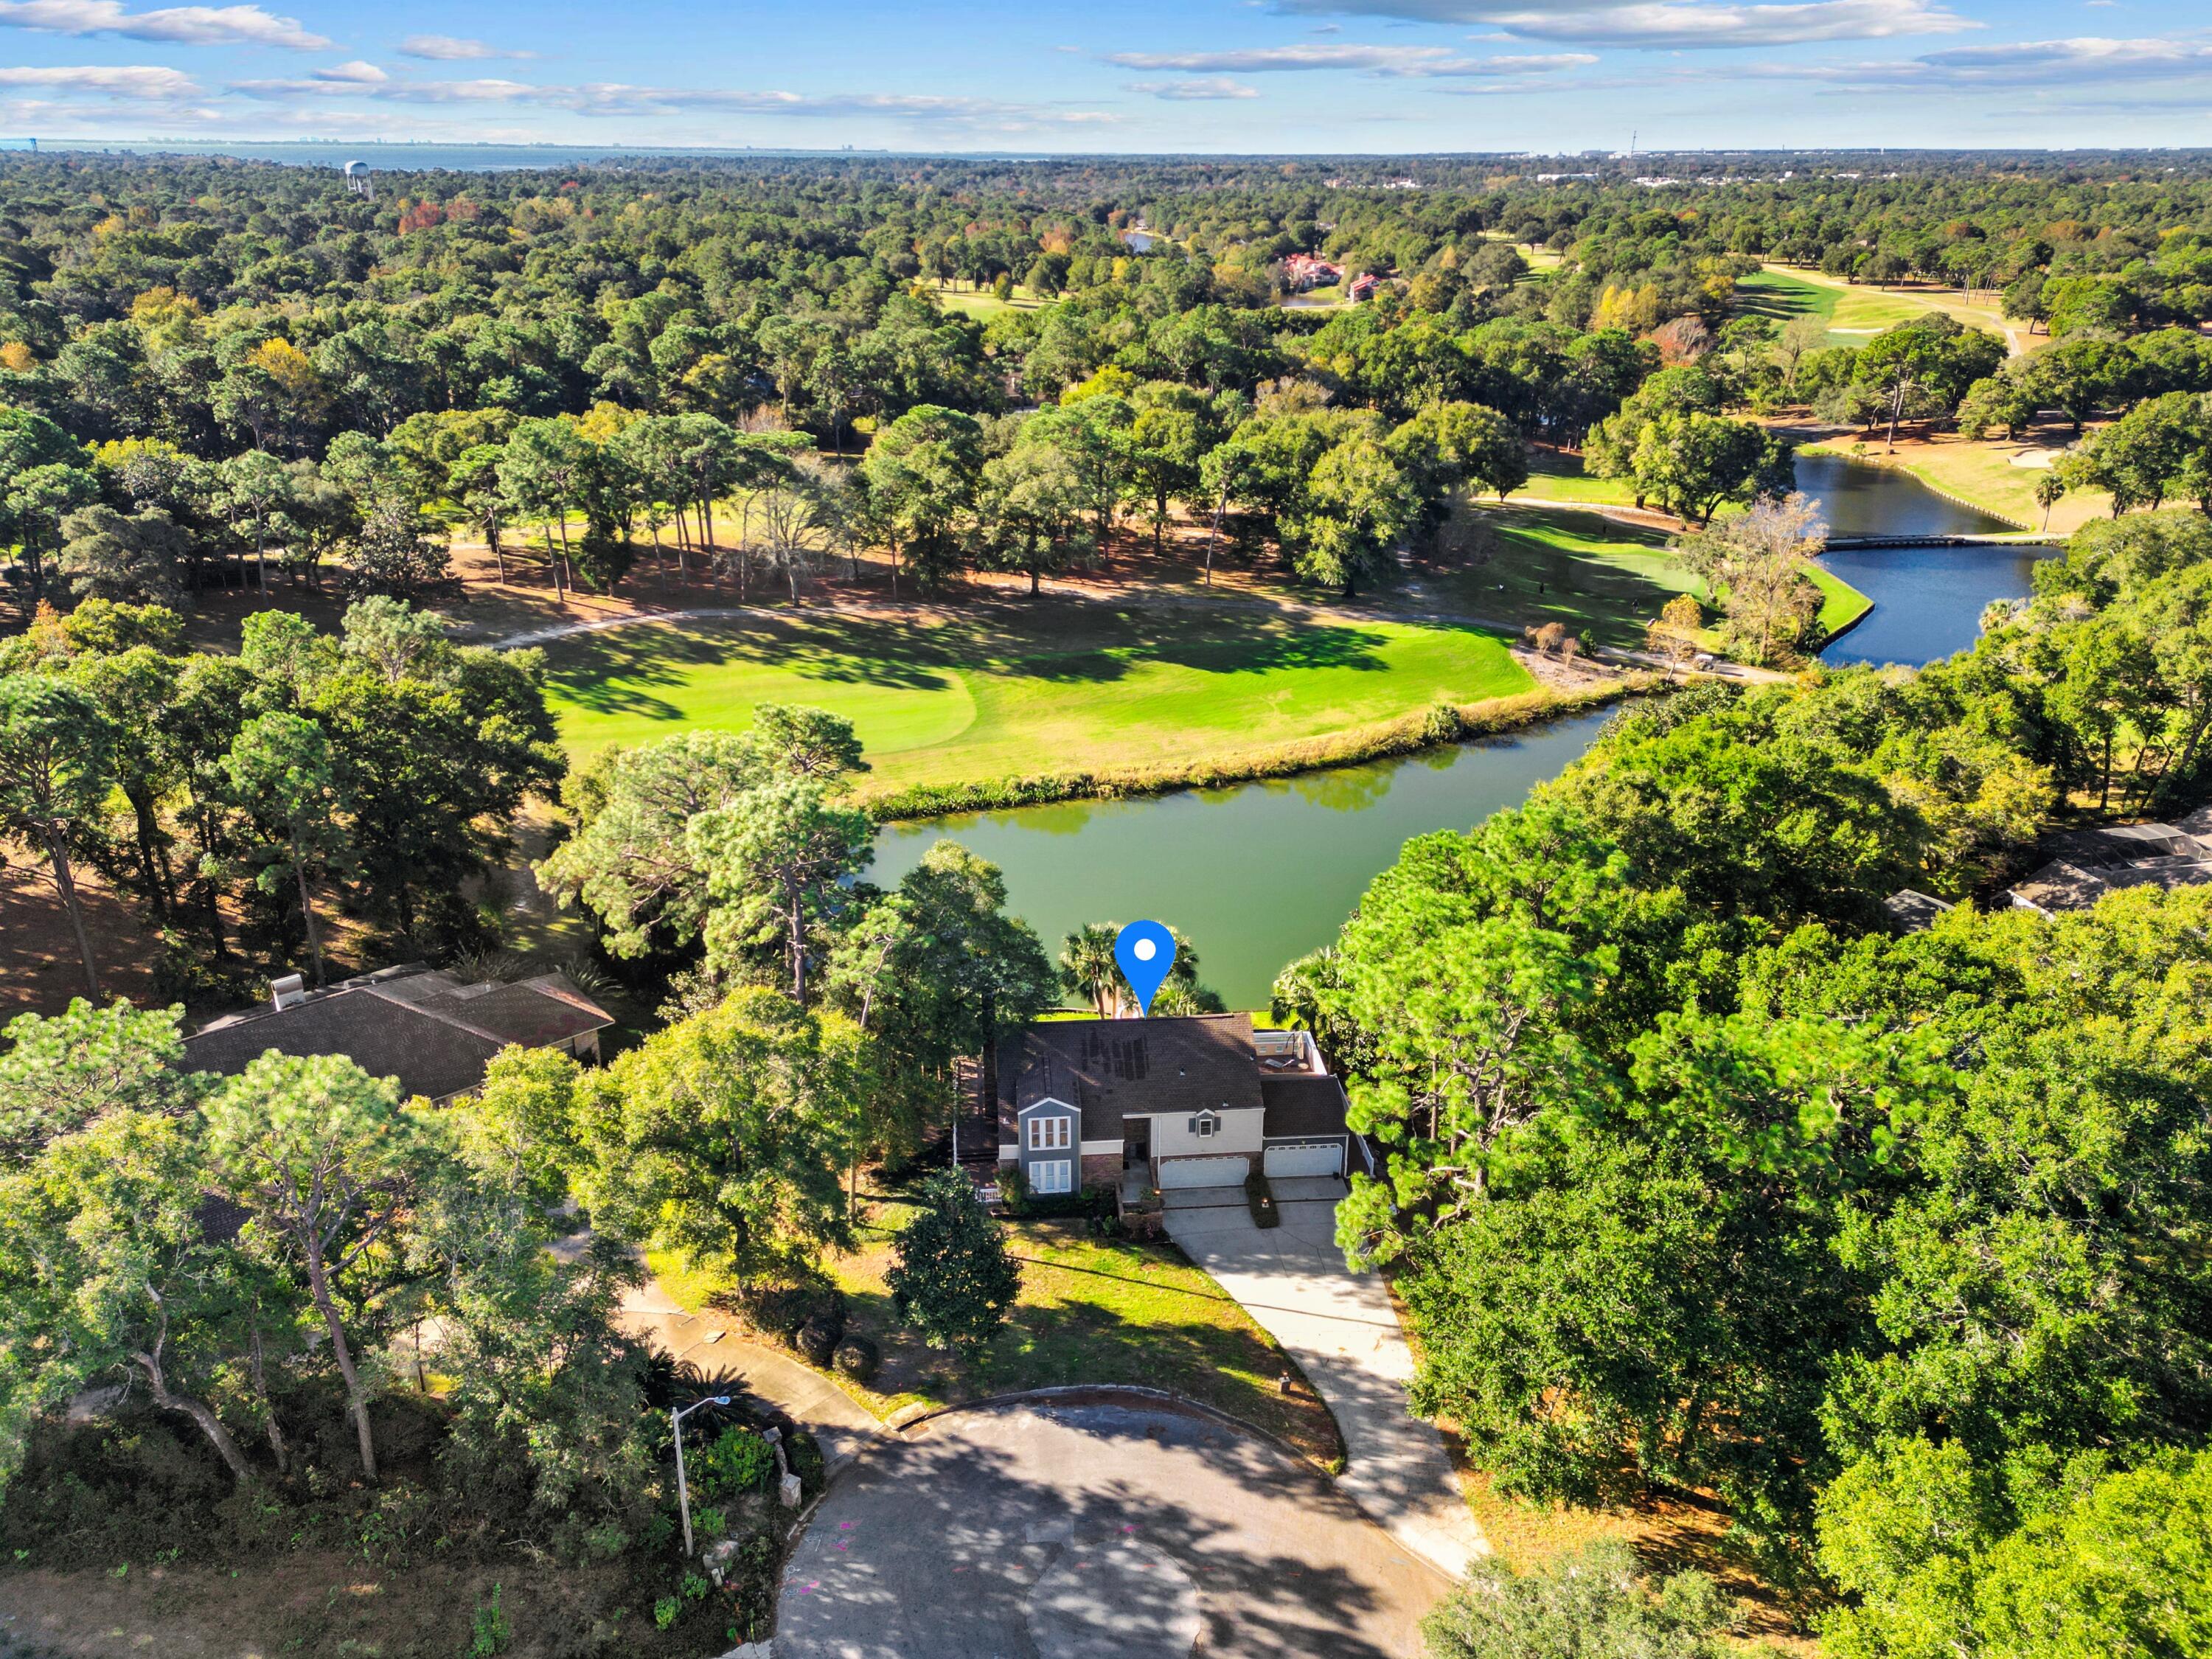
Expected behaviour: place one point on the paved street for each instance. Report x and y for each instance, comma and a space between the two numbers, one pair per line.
1079, 1531
1341, 1329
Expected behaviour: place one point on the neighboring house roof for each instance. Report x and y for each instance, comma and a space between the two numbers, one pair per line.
2065, 886
1911, 910
1107, 1068
1304, 1106
2060, 886
2169, 873
2124, 843
432, 1033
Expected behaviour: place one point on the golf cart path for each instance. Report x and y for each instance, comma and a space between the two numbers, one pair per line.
1340, 1327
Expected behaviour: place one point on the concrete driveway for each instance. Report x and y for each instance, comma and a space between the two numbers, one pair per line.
1091, 1529
1341, 1329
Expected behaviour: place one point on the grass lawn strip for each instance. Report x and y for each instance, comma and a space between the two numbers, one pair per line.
1561, 478
1015, 691
1841, 604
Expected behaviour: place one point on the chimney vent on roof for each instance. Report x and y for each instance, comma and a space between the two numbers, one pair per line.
288, 991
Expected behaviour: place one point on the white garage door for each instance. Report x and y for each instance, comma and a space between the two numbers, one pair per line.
1321, 1157
1203, 1171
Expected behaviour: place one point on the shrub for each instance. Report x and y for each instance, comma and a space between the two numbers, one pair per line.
1261, 1198
736, 1460
665, 1611
858, 1357
488, 1630
784, 1309
817, 1340
1594, 1603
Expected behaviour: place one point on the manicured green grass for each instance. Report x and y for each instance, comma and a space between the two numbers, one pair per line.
982, 302
1013, 689
1853, 311
1539, 258
1091, 1310
1596, 578
1781, 297
1841, 604
1561, 478
1533, 565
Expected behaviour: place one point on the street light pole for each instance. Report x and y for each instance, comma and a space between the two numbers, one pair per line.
675, 1416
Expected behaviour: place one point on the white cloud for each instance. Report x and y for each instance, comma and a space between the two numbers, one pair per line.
453, 49
364, 80
2087, 58
341, 83
1410, 61
1668, 23
187, 25
114, 80
2081, 62
1197, 89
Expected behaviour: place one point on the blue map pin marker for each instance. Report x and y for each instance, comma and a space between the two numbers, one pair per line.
1146, 951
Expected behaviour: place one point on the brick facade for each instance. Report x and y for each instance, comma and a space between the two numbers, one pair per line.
1101, 1169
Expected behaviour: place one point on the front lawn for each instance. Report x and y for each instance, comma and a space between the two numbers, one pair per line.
1091, 1310
1009, 689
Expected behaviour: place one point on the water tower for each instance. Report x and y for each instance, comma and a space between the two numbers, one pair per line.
358, 179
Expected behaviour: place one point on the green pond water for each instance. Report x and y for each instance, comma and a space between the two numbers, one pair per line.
1257, 875
1254, 876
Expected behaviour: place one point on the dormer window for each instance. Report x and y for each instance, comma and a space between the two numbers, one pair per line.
1206, 1124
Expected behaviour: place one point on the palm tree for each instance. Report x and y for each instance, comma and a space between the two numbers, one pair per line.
1089, 969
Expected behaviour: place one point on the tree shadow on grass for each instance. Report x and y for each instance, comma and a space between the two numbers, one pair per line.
637, 671
1517, 575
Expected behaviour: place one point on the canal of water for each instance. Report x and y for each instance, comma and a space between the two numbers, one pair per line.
1257, 875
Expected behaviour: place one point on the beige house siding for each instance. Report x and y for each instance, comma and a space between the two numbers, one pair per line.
1240, 1131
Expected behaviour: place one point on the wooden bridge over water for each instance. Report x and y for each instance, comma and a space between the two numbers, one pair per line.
1850, 544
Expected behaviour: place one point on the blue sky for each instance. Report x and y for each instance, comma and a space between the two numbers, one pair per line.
1377, 75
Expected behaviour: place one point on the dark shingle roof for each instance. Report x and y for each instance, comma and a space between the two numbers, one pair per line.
431, 1033
2060, 886
2124, 843
1911, 910
1303, 1104
1109, 1068
2169, 872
